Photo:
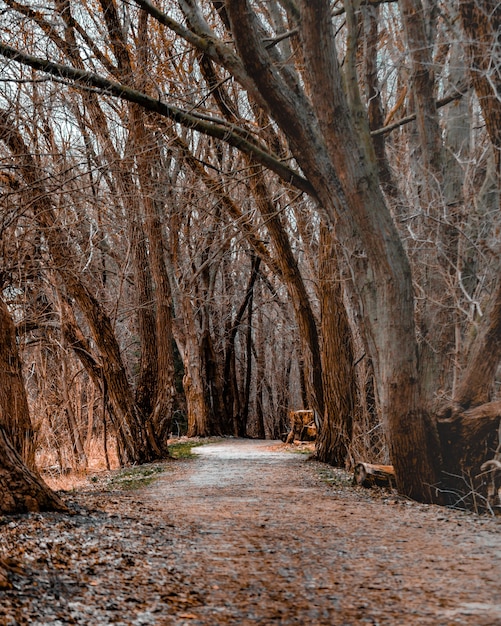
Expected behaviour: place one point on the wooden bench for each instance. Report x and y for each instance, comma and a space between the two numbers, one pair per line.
302, 425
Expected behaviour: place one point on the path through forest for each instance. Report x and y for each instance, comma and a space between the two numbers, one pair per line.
248, 533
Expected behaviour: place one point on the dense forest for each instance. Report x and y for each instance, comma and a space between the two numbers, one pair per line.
213, 213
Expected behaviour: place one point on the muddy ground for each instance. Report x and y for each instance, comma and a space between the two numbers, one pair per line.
250, 533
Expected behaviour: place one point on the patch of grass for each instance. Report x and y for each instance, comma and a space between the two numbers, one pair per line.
136, 477
183, 449
303, 451
143, 475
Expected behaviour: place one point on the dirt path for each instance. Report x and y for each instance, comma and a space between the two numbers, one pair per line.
249, 534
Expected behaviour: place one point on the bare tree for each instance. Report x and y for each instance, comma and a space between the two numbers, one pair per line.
305, 117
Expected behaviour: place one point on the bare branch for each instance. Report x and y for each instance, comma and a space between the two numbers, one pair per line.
230, 134
456, 95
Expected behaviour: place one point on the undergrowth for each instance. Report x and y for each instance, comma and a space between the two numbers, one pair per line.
334, 476
143, 475
136, 477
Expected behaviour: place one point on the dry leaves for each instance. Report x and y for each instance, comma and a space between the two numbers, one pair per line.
249, 534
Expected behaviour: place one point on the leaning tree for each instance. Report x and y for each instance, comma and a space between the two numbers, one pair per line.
297, 65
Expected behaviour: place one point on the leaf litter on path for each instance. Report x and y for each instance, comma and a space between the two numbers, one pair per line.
248, 533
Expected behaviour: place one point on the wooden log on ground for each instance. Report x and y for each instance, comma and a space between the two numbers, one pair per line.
370, 475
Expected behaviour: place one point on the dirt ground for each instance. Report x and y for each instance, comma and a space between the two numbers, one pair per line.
250, 533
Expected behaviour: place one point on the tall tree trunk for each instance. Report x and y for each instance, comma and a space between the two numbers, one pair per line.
340, 382
423, 86
248, 364
198, 408
73, 426
338, 160
21, 488
234, 409
14, 410
481, 20
259, 345
435, 271
160, 349
373, 95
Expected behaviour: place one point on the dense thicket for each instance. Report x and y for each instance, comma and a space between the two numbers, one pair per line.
215, 212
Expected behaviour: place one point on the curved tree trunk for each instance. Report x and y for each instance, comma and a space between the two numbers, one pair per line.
337, 157
22, 490
481, 21
160, 350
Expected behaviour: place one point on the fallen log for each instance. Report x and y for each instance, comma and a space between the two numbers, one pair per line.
370, 475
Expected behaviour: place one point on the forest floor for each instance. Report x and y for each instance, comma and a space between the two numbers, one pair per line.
247, 532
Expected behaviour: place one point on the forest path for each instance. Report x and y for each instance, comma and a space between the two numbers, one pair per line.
268, 542
247, 533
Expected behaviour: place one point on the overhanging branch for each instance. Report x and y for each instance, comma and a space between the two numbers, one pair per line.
230, 134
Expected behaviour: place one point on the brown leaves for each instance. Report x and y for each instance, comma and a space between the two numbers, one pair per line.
7, 565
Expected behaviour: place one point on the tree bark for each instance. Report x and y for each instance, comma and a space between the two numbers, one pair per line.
423, 86
14, 410
23, 491
339, 162
481, 20
338, 371
469, 439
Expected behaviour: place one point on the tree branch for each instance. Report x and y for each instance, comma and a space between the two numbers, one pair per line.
458, 94
230, 134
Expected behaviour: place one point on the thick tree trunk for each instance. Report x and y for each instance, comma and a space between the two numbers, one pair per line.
198, 409
470, 439
435, 271
338, 160
160, 349
22, 490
